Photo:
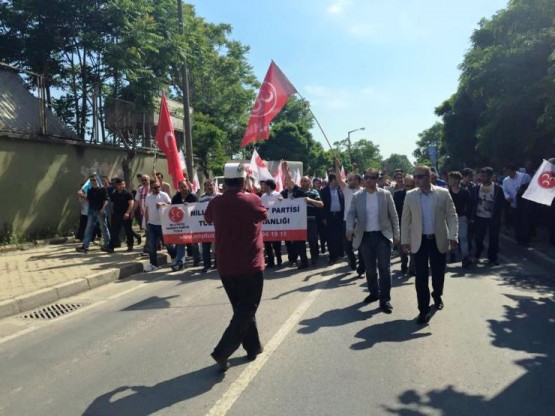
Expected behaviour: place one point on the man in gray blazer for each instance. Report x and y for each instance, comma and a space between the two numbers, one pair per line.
429, 230
373, 226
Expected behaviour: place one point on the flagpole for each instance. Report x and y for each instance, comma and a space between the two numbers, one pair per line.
316, 120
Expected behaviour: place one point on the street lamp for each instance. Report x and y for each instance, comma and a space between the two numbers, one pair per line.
349, 142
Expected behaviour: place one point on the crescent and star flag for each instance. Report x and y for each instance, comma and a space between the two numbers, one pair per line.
259, 168
542, 186
165, 139
273, 95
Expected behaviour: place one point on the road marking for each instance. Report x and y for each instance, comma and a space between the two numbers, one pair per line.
223, 405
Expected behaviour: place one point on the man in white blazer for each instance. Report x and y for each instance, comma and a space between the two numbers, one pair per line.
373, 225
429, 228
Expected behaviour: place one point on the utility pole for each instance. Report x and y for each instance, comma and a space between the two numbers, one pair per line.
187, 132
349, 143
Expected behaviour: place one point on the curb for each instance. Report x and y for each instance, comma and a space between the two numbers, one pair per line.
531, 253
24, 303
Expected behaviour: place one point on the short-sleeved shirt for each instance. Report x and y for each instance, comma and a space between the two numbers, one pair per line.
237, 217
121, 202
140, 196
153, 211
96, 198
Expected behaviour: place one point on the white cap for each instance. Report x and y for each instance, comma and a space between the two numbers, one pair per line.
234, 170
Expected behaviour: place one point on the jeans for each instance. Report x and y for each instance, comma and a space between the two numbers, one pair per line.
463, 237
375, 248
154, 236
429, 252
244, 293
94, 216
180, 253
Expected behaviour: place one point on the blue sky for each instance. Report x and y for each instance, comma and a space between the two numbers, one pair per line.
379, 64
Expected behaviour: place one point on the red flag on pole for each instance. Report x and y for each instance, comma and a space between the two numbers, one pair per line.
273, 95
165, 139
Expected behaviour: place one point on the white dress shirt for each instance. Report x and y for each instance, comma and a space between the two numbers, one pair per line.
274, 196
512, 185
426, 203
372, 212
348, 195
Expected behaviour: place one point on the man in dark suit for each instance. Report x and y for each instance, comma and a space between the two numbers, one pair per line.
334, 211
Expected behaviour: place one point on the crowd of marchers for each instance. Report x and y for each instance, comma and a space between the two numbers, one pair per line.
363, 219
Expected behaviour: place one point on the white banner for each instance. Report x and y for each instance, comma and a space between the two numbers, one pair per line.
542, 186
184, 223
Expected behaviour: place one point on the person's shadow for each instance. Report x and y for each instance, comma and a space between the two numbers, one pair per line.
146, 400
336, 317
400, 330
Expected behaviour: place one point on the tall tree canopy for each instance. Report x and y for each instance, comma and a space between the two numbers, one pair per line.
504, 107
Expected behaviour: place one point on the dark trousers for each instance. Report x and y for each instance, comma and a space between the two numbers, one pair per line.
375, 248
273, 252
154, 237
80, 234
491, 227
115, 229
521, 222
244, 293
206, 255
312, 236
429, 253
348, 246
335, 232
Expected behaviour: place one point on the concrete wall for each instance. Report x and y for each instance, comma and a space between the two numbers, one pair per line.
39, 179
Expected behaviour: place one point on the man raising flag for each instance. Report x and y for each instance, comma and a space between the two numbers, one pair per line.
165, 140
273, 95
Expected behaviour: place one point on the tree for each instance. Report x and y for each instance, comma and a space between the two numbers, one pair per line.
396, 161
503, 109
429, 137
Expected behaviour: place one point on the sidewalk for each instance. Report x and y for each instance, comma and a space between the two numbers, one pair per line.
42, 275
539, 250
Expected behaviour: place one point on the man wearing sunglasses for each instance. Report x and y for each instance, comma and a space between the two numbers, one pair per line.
373, 226
429, 229
153, 202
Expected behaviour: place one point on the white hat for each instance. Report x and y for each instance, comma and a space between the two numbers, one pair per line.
234, 170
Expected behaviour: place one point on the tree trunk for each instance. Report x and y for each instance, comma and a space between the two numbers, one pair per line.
125, 166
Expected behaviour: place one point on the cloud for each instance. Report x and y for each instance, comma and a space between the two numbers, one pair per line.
338, 7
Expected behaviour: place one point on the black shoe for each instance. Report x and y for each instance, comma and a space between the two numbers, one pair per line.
270, 265
129, 249
371, 298
438, 304
251, 356
386, 307
361, 272
303, 265
222, 362
205, 270
279, 262
452, 258
178, 267
423, 318
493, 262
466, 262
353, 264
139, 240
196, 263
81, 249
107, 249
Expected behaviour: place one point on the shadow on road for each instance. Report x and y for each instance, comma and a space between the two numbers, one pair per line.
333, 283
336, 317
529, 327
400, 330
147, 400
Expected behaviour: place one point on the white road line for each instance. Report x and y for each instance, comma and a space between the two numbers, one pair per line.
223, 405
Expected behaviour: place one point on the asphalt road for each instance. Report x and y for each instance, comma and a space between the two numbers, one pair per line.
141, 347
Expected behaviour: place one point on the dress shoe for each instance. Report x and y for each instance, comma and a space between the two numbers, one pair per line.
139, 240
251, 356
371, 298
81, 249
386, 307
423, 318
438, 303
222, 362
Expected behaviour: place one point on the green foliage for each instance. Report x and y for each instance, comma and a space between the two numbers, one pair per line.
430, 137
359, 156
396, 161
504, 108
132, 50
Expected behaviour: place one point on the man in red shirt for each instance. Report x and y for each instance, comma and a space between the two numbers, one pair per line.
237, 217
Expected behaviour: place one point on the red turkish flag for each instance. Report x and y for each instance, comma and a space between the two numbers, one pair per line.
273, 95
165, 139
